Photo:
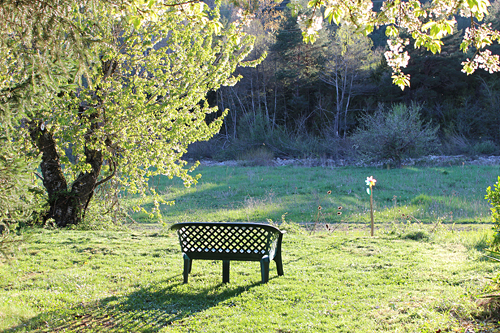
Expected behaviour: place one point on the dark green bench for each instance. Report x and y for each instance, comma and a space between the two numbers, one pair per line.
230, 241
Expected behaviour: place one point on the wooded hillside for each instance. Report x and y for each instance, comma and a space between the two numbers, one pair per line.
307, 100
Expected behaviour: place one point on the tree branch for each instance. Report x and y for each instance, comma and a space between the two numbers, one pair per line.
102, 181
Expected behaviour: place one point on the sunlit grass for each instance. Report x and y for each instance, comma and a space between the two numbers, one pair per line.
343, 281
226, 193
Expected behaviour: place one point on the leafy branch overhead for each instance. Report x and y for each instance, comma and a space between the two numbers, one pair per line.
427, 24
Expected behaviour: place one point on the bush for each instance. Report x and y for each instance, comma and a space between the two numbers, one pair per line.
487, 147
455, 144
255, 132
207, 149
20, 199
395, 134
19, 195
261, 156
493, 197
416, 235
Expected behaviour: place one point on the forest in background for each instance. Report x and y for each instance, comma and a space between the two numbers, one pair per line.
335, 98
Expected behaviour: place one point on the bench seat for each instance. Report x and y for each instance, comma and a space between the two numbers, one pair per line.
230, 241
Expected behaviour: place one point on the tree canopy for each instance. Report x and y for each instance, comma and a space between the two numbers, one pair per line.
426, 23
128, 105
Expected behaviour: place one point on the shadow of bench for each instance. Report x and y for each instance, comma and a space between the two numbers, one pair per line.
230, 241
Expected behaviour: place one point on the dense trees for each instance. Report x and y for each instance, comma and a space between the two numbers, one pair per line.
315, 109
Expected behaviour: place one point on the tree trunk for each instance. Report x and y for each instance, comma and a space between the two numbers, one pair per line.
66, 206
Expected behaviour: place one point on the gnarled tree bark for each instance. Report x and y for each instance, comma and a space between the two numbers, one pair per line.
67, 205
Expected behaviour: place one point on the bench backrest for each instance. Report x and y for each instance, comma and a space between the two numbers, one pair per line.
228, 241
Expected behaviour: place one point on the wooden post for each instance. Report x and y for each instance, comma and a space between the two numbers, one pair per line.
371, 210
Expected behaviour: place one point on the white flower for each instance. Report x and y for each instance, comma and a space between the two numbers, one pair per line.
310, 26
487, 61
395, 58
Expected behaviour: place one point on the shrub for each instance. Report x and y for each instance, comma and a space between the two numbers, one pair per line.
207, 149
455, 144
395, 134
261, 156
487, 147
493, 197
255, 131
416, 235
19, 195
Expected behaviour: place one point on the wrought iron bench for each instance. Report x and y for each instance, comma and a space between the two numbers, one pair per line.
230, 241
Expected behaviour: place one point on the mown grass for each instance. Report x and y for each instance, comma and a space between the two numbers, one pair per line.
74, 281
451, 194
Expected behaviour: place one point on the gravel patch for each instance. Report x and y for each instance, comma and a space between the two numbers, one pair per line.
430, 160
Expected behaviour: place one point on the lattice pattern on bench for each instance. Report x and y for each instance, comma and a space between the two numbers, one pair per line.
230, 241
227, 239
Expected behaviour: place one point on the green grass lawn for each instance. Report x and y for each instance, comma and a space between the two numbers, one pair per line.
422, 272
256, 194
345, 281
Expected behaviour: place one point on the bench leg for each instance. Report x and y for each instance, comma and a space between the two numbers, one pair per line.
187, 267
264, 269
279, 264
225, 271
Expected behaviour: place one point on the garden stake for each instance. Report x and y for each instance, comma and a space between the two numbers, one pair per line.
370, 181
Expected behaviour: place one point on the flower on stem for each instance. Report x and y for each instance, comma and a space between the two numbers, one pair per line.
370, 181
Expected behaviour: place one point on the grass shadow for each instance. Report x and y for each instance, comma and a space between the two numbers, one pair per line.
147, 309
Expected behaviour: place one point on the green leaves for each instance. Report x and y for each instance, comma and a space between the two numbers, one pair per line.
391, 31
136, 21
401, 80
438, 30
334, 14
315, 3
294, 7
479, 8
434, 46
493, 197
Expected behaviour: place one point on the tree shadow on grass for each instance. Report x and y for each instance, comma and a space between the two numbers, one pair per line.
148, 309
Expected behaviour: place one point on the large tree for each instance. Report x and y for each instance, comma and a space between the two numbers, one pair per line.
135, 101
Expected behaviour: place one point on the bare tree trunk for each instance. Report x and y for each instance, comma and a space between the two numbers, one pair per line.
347, 105
268, 119
251, 91
259, 104
223, 108
234, 116
275, 93
336, 124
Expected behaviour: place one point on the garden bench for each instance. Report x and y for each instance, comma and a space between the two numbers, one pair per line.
230, 241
